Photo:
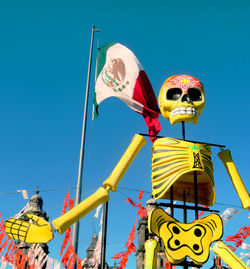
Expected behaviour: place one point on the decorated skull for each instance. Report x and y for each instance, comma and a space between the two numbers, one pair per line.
181, 99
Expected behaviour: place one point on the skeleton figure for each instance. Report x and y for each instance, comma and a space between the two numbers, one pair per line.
180, 169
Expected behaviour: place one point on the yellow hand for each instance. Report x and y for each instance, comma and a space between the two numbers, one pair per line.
39, 232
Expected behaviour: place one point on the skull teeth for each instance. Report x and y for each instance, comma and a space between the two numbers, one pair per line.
184, 111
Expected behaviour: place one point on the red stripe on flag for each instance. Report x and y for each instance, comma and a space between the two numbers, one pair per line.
144, 94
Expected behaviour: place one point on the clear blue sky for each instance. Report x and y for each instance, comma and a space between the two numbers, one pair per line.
44, 49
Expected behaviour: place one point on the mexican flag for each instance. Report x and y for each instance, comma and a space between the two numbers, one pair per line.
121, 75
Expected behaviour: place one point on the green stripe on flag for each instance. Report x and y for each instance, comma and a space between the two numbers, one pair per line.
95, 108
101, 60
101, 56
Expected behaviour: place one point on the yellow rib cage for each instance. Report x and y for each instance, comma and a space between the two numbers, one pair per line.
173, 164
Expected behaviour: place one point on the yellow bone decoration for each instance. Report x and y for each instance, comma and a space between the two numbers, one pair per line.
226, 158
152, 247
174, 163
76, 213
186, 239
39, 232
115, 177
228, 256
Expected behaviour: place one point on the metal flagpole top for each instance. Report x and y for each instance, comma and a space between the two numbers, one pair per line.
95, 30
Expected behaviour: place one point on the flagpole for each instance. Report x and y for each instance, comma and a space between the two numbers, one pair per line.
104, 235
75, 233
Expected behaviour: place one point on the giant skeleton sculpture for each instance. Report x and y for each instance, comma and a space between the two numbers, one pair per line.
181, 169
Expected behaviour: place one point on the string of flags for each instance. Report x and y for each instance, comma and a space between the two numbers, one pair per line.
70, 258
238, 238
130, 246
36, 258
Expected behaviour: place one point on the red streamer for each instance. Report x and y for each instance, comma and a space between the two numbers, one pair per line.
2, 236
71, 203
72, 261
129, 200
140, 195
238, 238
218, 263
142, 212
4, 244
7, 256
79, 263
70, 251
67, 238
130, 248
69, 258
20, 260
65, 203
119, 255
202, 212
168, 265
10, 258
232, 248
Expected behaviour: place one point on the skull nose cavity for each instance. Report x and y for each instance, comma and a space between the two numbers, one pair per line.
186, 98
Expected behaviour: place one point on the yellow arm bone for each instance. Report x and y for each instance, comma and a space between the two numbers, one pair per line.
101, 195
228, 256
239, 186
39, 232
115, 177
65, 221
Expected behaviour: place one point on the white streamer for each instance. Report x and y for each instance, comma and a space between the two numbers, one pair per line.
97, 211
49, 263
96, 259
228, 214
57, 264
24, 193
4, 263
245, 246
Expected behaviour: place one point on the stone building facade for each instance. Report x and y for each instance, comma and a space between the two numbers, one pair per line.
90, 252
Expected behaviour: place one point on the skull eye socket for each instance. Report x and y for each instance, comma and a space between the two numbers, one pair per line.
194, 94
174, 94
